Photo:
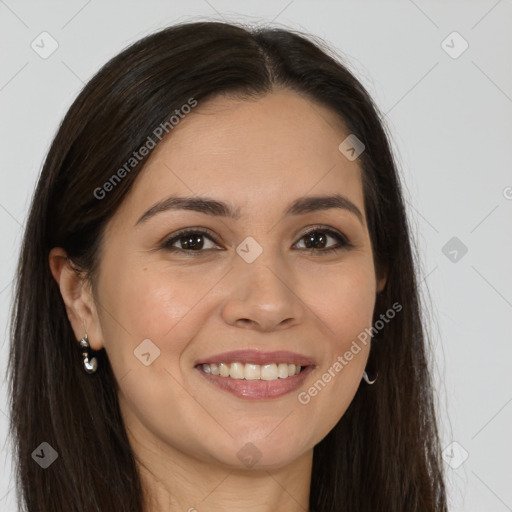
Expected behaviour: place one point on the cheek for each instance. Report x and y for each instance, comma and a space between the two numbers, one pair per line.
344, 301
151, 300
344, 306
162, 307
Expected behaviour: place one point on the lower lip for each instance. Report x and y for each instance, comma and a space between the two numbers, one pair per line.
257, 389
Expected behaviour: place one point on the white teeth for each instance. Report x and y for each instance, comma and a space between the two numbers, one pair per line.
282, 370
252, 372
236, 371
223, 369
271, 371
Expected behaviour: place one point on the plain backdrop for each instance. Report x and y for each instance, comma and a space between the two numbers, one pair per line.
449, 111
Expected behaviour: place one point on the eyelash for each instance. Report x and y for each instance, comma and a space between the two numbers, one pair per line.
341, 239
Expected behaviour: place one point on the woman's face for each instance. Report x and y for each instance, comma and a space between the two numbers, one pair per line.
254, 282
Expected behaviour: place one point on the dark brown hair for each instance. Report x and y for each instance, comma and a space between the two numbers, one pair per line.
384, 452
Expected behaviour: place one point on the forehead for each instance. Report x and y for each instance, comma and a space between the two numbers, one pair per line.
253, 153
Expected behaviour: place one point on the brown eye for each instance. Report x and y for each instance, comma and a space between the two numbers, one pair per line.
189, 241
317, 239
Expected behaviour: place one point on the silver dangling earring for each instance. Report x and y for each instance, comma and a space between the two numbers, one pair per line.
90, 366
368, 380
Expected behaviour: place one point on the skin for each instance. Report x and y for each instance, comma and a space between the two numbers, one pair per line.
258, 155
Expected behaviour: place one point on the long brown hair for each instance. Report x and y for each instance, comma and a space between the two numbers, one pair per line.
384, 452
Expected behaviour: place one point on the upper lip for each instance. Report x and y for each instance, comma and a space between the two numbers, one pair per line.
251, 356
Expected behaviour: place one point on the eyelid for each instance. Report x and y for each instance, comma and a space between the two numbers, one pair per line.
327, 229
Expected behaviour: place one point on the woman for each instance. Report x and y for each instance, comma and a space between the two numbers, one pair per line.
216, 302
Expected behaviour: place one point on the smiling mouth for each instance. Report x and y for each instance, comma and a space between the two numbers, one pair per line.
261, 382
248, 371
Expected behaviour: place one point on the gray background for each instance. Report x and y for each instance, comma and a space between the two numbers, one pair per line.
451, 125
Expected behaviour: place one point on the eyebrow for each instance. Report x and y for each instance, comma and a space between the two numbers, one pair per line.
214, 207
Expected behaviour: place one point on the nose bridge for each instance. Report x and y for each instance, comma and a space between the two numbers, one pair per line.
262, 270
261, 290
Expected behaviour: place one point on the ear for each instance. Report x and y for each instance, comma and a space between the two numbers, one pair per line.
382, 278
78, 298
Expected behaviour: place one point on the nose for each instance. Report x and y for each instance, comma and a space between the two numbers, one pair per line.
261, 296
